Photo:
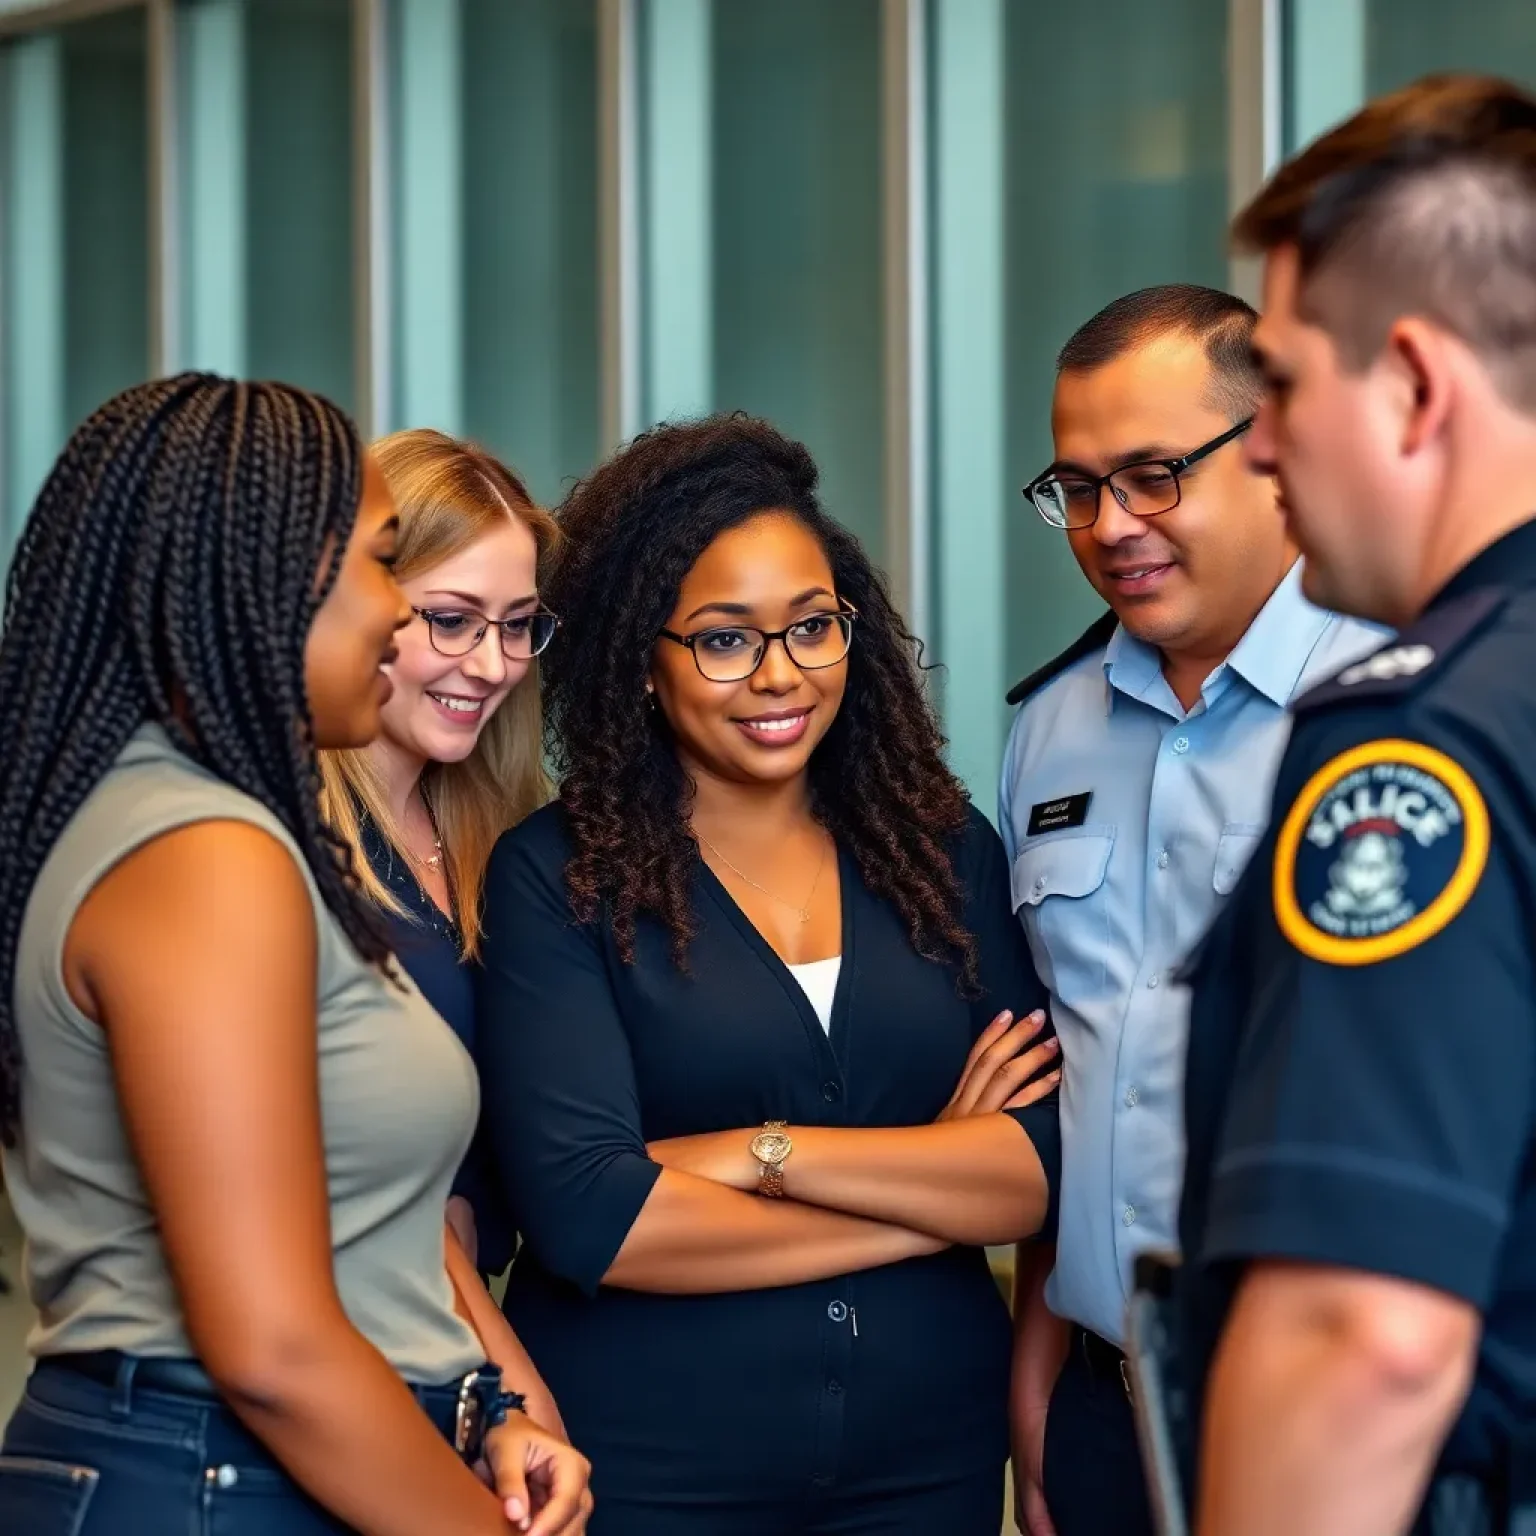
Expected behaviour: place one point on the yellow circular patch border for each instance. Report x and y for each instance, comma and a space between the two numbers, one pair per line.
1294, 923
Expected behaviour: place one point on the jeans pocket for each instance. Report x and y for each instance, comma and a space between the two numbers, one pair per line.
45, 1498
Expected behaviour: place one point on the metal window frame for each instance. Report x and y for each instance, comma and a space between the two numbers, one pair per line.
56, 13
618, 222
164, 190
1255, 124
1255, 115
372, 218
908, 417
26, 20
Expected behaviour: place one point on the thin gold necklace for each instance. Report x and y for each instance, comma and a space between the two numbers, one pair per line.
802, 912
435, 858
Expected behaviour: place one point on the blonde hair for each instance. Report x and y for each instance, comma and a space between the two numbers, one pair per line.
449, 494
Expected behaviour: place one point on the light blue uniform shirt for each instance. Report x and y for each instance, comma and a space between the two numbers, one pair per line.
1114, 905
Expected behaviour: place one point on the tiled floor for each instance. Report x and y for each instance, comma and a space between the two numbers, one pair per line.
16, 1318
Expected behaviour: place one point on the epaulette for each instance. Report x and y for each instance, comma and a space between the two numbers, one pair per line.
1411, 657
1094, 638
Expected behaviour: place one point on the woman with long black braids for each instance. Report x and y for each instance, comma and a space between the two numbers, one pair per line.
761, 1050
229, 1128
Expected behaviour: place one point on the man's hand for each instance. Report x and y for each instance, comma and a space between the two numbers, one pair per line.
540, 1480
1039, 1348
1030, 1513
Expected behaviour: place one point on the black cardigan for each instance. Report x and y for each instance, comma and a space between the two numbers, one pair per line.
583, 1059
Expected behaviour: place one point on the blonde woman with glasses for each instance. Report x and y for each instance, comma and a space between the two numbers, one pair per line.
459, 760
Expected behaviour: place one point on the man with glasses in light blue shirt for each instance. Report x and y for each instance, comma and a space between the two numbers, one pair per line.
1135, 785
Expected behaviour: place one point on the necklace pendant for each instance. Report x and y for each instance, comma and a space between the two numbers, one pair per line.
805, 917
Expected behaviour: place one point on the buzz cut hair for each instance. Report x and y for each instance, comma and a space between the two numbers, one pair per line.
1423, 203
1221, 321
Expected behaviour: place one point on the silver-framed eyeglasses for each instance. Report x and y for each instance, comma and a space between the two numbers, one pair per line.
457, 631
730, 653
1070, 499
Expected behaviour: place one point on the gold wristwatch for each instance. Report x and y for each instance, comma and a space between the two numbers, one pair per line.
771, 1146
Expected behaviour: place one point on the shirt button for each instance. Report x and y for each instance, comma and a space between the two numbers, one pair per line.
1153, 979
1128, 1215
831, 1092
838, 1312
1181, 743
1132, 1098
1039, 884
835, 1388
1162, 859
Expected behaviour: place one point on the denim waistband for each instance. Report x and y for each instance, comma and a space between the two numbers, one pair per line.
168, 1399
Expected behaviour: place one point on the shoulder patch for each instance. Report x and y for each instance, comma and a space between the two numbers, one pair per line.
1094, 638
1410, 657
1382, 848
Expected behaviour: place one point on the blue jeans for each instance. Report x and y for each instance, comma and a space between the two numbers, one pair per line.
90, 1458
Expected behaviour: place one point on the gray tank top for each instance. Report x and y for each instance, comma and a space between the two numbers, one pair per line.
398, 1099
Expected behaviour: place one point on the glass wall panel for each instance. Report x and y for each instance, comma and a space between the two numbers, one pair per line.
495, 211
1339, 53
531, 358
1080, 153
1116, 178
265, 155
74, 262
299, 298
762, 209
1409, 38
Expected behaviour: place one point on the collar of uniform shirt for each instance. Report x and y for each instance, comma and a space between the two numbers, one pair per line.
1508, 562
1270, 657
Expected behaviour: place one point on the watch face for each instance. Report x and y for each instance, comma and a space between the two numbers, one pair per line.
770, 1146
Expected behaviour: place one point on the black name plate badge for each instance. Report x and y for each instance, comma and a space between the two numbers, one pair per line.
1057, 815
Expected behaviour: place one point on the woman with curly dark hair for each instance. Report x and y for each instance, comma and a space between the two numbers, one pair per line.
229, 1125
751, 1069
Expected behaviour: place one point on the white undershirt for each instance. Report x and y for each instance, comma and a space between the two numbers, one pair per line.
818, 980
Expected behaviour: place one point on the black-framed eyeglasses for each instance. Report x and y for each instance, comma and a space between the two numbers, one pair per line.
457, 631
730, 653
1144, 489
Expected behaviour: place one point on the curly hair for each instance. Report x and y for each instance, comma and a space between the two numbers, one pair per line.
167, 573
878, 781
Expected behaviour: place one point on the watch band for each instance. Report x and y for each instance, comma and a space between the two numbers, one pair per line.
770, 1181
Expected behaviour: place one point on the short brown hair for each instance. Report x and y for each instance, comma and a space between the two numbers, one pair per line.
1423, 202
1222, 322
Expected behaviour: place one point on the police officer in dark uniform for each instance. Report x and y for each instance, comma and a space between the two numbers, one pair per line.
1358, 1287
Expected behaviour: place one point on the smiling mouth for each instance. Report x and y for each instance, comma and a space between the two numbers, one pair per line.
775, 730
464, 709
1138, 578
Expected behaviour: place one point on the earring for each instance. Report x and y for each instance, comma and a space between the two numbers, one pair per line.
650, 695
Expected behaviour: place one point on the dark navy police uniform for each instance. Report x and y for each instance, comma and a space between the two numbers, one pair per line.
1361, 1084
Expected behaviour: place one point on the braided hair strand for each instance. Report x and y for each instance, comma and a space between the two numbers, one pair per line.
168, 573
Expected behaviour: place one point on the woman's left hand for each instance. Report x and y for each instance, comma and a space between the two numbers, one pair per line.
540, 1480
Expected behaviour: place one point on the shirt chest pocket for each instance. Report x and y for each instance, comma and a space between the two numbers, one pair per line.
1059, 895
1234, 848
